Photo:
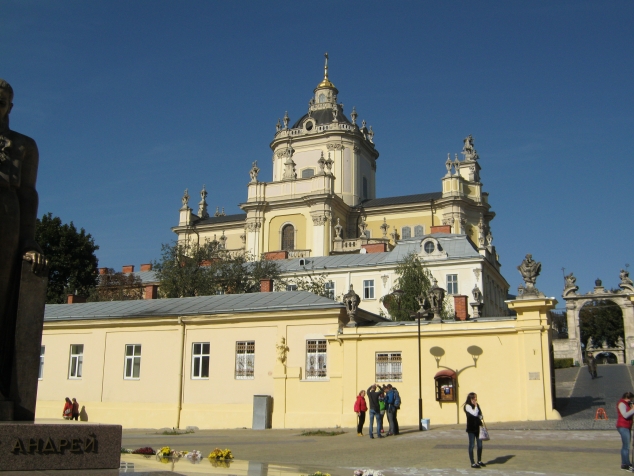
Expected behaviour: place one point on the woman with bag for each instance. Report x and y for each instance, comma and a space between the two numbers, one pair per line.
360, 408
68, 409
474, 426
625, 413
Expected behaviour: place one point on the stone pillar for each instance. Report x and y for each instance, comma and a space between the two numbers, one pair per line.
628, 325
535, 372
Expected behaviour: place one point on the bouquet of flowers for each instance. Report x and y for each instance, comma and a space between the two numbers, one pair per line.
220, 454
194, 457
144, 451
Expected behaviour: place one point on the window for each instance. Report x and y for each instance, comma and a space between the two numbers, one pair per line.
288, 237
200, 360
429, 247
406, 232
322, 98
388, 367
307, 173
452, 284
368, 289
315, 359
245, 360
291, 287
419, 231
76, 360
365, 188
40, 374
329, 286
132, 361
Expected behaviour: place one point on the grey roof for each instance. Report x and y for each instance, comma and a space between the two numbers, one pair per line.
223, 219
322, 116
191, 306
456, 246
147, 276
381, 202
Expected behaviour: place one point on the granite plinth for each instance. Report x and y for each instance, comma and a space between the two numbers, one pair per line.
65, 446
6, 411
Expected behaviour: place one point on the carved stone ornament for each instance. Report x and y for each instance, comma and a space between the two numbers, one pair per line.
319, 220
286, 120
329, 164
285, 153
278, 126
476, 272
529, 269
334, 146
282, 351
477, 294
185, 200
253, 226
448, 165
435, 297
394, 235
353, 116
356, 148
322, 164
254, 172
384, 227
351, 300
362, 227
289, 170
489, 239
202, 205
338, 229
570, 288
223, 240
371, 135
243, 238
626, 283
468, 150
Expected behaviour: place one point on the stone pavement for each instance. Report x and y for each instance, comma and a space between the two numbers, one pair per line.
577, 445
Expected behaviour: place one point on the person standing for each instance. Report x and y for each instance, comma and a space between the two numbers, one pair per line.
390, 409
592, 365
625, 413
67, 413
374, 394
474, 422
397, 407
360, 408
75, 410
382, 410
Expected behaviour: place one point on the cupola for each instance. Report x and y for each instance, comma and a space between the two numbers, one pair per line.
325, 92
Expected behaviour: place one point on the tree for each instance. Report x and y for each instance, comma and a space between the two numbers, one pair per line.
599, 321
187, 269
117, 286
414, 280
315, 283
71, 255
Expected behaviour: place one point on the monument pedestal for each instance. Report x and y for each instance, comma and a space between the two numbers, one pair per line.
6, 411
63, 448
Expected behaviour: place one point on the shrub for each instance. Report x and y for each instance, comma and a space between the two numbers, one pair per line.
563, 363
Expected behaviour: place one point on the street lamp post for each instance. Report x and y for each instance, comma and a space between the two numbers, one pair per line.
419, 315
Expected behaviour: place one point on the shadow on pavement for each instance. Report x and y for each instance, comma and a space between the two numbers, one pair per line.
500, 459
575, 405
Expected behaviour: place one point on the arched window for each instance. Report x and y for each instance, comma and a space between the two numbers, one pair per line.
322, 98
406, 232
288, 237
418, 231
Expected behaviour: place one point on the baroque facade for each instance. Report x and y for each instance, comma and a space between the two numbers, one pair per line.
321, 202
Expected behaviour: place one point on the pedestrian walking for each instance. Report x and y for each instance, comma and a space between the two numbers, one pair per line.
67, 413
474, 422
360, 408
75, 410
374, 395
592, 365
625, 413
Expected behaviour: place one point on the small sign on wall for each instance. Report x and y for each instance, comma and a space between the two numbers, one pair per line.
533, 375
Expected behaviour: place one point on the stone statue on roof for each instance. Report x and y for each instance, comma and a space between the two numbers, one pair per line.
530, 269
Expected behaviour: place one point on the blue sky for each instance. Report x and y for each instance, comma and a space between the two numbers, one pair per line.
132, 102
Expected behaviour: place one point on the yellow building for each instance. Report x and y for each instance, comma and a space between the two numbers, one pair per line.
200, 361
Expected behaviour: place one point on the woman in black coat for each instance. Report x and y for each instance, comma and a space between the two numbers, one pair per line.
474, 422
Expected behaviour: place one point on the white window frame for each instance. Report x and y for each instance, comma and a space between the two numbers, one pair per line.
368, 289
422, 231
331, 288
389, 367
245, 360
409, 232
198, 356
40, 375
132, 361
291, 287
76, 361
316, 359
452, 284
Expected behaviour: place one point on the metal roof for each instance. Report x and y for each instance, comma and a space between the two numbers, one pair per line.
223, 219
381, 202
456, 246
191, 306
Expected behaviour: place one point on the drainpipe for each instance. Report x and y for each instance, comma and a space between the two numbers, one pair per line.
180, 373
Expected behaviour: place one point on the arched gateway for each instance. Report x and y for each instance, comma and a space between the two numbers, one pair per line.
571, 347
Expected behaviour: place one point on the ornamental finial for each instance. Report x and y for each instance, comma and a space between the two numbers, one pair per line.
326, 66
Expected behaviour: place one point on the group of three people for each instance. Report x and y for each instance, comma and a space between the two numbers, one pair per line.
383, 400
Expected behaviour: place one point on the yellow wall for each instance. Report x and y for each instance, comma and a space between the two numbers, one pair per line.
514, 351
299, 221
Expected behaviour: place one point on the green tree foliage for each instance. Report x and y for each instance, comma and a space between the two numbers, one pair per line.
71, 255
117, 286
414, 280
186, 270
599, 321
312, 282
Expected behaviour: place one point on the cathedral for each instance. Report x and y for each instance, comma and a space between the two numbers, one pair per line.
321, 202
